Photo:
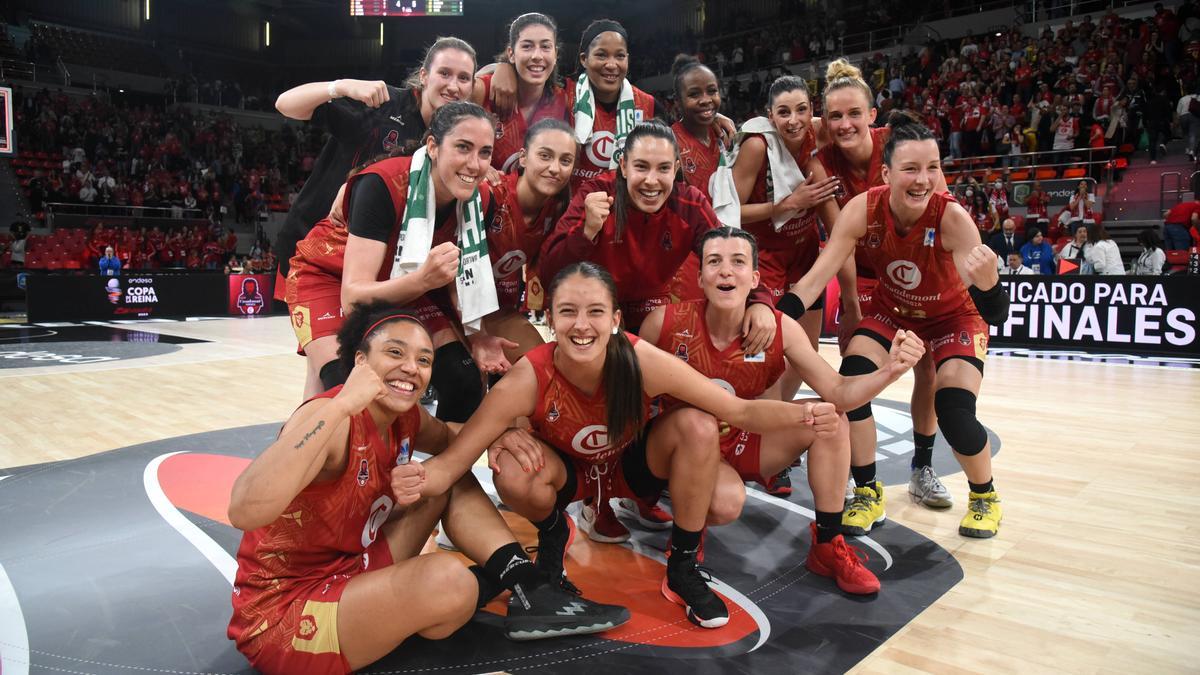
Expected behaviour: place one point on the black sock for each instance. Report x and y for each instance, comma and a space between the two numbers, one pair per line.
863, 475
922, 450
488, 587
829, 525
980, 488
551, 522
684, 541
510, 566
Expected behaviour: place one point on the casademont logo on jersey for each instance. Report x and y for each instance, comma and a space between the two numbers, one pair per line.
591, 440
509, 263
600, 148
904, 273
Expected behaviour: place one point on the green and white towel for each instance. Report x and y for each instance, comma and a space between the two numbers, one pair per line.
585, 115
783, 174
474, 282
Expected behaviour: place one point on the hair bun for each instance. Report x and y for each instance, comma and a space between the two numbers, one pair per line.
899, 119
839, 68
681, 62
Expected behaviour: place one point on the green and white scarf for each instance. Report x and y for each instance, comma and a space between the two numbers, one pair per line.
723, 189
474, 282
585, 115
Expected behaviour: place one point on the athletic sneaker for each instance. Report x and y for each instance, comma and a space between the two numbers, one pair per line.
841, 562
686, 585
865, 511
550, 610
925, 488
552, 551
781, 484
651, 517
983, 515
601, 524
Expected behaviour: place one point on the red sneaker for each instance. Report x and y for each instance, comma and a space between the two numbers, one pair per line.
843, 563
649, 516
601, 523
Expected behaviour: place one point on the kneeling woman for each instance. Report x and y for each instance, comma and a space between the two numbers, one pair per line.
318, 590
705, 335
587, 396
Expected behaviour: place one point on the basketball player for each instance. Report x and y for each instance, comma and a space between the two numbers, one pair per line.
365, 120
936, 279
317, 589
587, 397
704, 335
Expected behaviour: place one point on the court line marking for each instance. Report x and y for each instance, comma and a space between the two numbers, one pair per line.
207, 547
13, 634
808, 513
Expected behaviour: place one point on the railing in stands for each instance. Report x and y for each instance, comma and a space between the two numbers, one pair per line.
1031, 162
112, 211
1177, 193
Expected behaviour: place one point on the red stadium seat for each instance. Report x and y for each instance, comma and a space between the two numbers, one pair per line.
1019, 174
1074, 172
1125, 149
1177, 259
1046, 173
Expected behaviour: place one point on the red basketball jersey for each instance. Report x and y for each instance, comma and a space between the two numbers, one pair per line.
567, 418
685, 334
917, 276
512, 244
597, 150
796, 232
324, 531
510, 132
698, 160
853, 182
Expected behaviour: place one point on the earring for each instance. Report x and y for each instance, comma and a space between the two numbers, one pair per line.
616, 329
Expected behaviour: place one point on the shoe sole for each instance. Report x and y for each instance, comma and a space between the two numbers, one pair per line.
860, 532
786, 492
526, 635
978, 534
703, 623
589, 528
818, 569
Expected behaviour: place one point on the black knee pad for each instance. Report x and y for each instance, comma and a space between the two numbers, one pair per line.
456, 380
858, 365
332, 374
956, 418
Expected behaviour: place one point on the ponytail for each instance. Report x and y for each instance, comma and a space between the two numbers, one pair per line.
621, 202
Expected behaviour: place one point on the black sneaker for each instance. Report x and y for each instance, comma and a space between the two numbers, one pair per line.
781, 484
550, 610
687, 586
552, 549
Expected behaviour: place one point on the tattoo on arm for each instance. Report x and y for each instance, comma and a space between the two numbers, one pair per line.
320, 425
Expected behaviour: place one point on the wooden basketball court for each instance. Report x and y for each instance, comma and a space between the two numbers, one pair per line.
1094, 570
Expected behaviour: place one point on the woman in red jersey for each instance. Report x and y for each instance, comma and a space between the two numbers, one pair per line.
640, 225
699, 139
704, 335
587, 398
935, 279
528, 203
778, 159
356, 260
855, 154
533, 52
317, 589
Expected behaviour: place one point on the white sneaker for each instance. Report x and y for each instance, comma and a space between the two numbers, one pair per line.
925, 488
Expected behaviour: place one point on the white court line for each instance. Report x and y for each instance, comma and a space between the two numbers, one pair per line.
807, 513
14, 640
216, 555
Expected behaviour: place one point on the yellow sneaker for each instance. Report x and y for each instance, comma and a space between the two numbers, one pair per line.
983, 515
865, 510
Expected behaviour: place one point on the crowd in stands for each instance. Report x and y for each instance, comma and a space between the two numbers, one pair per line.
93, 151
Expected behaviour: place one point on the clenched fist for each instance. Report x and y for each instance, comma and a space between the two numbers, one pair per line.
374, 93
981, 268
907, 349
362, 386
407, 481
440, 267
598, 205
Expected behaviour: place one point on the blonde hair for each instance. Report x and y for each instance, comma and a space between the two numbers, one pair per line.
840, 74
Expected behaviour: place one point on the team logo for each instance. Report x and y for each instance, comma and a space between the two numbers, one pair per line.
499, 131
552, 413
666, 241
114, 291
681, 351
739, 448
509, 263
904, 273
391, 140
591, 440
364, 472
689, 164
250, 301
964, 339
600, 148
874, 241
380, 510
298, 319
510, 162
307, 627
498, 221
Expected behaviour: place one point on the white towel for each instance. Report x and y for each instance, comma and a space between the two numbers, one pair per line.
785, 174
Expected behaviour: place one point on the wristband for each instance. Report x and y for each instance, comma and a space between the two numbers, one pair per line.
792, 305
332, 90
